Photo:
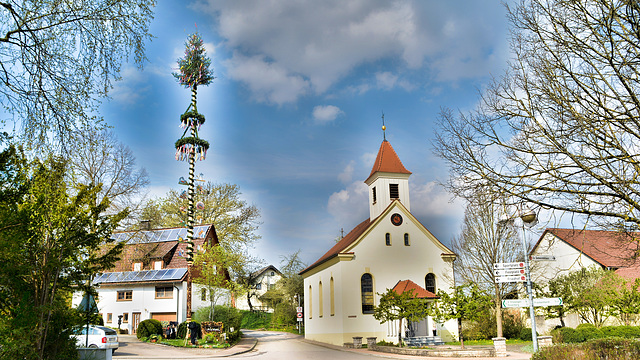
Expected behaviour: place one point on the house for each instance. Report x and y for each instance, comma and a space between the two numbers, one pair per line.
150, 279
341, 288
260, 282
575, 249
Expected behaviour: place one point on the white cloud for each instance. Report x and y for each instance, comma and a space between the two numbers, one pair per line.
347, 174
325, 114
349, 206
128, 90
309, 46
430, 199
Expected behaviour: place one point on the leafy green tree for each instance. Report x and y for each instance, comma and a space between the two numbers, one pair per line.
49, 236
465, 302
57, 58
288, 291
394, 306
623, 296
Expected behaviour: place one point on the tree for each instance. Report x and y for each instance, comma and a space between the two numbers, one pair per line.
465, 302
57, 58
49, 236
559, 128
100, 159
394, 306
288, 291
483, 242
212, 271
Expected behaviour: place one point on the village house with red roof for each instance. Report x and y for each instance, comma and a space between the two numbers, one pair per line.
389, 250
575, 249
150, 279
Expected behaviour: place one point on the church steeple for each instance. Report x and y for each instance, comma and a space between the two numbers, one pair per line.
388, 181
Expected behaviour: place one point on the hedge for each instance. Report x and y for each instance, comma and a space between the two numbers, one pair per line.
149, 327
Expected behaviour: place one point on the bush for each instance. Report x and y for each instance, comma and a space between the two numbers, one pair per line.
567, 335
284, 314
591, 350
512, 325
525, 334
589, 331
149, 327
231, 318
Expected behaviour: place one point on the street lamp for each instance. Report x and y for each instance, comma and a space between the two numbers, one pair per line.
529, 219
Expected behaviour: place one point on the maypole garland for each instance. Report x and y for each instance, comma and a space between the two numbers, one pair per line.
193, 71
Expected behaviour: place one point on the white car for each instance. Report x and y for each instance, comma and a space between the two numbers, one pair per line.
99, 337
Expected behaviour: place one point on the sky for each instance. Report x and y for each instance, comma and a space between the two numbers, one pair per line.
294, 115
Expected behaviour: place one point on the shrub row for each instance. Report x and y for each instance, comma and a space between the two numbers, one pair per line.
586, 332
149, 327
612, 348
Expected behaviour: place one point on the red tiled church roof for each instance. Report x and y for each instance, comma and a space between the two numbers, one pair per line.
609, 248
352, 236
388, 161
418, 291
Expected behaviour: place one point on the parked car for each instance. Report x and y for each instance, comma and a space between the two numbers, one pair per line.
99, 337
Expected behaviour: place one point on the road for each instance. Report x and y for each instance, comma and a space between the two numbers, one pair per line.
270, 346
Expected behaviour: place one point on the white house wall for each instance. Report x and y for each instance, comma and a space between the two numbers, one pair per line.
567, 259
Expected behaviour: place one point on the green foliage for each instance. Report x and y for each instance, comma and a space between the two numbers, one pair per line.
231, 317
149, 327
592, 350
589, 331
526, 334
194, 67
512, 325
566, 335
466, 302
255, 319
629, 332
61, 231
393, 306
284, 314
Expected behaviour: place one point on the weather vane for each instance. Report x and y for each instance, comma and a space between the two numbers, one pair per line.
384, 134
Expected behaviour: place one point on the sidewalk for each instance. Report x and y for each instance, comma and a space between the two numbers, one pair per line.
511, 355
243, 346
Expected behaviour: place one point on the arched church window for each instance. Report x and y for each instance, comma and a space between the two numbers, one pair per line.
310, 303
332, 297
366, 289
430, 282
320, 305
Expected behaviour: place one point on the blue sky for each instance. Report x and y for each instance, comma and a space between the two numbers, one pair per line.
294, 115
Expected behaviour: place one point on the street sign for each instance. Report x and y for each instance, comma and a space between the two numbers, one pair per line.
512, 278
299, 315
547, 302
543, 257
512, 265
515, 303
508, 272
299, 309
300, 319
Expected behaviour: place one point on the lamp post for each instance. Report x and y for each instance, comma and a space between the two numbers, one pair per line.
529, 219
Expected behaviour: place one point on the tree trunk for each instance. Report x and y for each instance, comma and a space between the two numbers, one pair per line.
460, 333
400, 332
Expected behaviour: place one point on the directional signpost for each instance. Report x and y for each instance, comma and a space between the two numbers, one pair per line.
543, 257
516, 303
509, 272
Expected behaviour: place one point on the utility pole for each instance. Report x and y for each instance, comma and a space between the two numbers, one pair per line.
193, 71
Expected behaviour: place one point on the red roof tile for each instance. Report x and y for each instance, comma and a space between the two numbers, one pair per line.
609, 248
352, 236
418, 291
388, 161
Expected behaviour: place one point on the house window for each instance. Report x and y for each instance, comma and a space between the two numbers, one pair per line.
137, 266
387, 239
164, 292
373, 192
406, 239
259, 286
125, 295
310, 303
203, 294
332, 297
273, 273
109, 317
320, 302
394, 193
430, 282
157, 265
125, 317
366, 289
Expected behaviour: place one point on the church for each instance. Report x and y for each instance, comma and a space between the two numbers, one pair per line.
390, 247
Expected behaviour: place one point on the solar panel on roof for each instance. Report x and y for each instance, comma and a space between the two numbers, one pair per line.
149, 275
170, 273
160, 274
164, 235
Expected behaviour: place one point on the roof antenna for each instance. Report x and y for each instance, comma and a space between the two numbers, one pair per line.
384, 134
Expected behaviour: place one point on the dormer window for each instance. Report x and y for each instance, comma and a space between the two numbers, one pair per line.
394, 193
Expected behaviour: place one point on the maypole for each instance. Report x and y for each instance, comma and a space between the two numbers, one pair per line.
193, 71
